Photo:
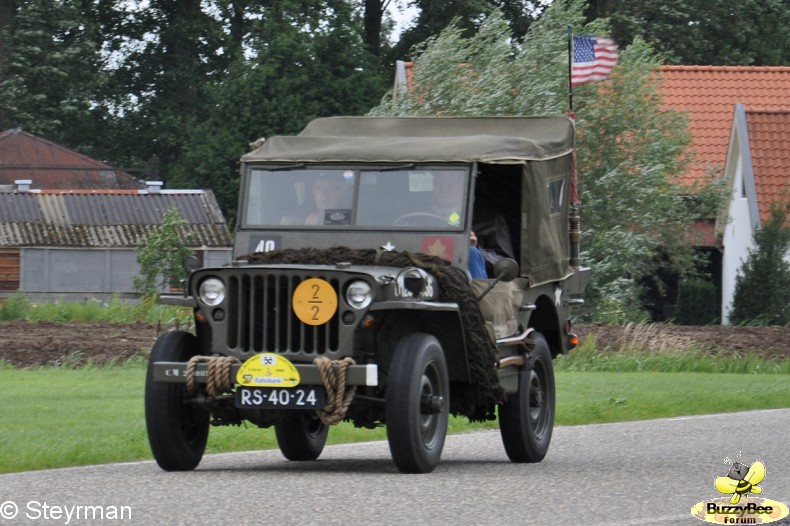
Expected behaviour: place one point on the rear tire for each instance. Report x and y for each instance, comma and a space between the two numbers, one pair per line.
177, 429
416, 419
301, 435
526, 419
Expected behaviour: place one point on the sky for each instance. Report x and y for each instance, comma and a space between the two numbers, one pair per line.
402, 14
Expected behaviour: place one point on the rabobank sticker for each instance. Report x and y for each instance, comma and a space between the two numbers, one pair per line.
743, 500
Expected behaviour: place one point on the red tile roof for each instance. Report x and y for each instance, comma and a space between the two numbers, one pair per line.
51, 166
769, 141
709, 94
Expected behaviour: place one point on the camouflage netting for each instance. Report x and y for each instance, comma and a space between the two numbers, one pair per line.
477, 400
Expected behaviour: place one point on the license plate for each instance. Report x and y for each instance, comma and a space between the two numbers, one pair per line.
302, 397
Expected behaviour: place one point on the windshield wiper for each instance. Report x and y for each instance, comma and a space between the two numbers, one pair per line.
398, 167
287, 167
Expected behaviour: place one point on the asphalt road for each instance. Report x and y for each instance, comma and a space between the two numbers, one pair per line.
637, 473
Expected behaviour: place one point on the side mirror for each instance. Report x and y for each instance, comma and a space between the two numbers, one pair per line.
505, 270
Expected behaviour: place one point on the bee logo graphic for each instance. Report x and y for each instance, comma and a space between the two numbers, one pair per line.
741, 480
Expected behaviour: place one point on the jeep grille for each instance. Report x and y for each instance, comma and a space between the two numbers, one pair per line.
260, 318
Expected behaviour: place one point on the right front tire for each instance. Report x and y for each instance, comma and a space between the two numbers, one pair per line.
417, 403
177, 429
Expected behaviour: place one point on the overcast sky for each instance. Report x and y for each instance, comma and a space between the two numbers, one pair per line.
403, 14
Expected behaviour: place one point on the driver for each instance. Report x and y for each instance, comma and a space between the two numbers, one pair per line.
447, 196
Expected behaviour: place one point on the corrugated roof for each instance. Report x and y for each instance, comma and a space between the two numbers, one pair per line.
105, 218
49, 165
769, 142
709, 94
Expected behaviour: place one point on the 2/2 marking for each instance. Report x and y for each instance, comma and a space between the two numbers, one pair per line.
314, 301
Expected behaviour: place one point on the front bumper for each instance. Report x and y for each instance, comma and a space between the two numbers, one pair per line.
175, 372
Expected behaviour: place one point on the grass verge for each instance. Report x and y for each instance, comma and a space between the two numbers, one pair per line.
19, 307
689, 359
61, 417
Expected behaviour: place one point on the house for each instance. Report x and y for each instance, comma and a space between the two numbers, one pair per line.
70, 225
24, 156
738, 119
79, 244
758, 176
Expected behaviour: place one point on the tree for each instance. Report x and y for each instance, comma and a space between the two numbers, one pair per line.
373, 13
762, 287
629, 146
6, 13
166, 55
435, 15
301, 64
161, 255
719, 32
50, 69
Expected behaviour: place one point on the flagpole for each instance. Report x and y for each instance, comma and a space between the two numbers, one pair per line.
574, 228
574, 188
570, 69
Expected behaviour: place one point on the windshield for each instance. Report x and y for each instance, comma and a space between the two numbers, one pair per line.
420, 197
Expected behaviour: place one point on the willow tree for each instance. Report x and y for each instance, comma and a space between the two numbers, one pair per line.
630, 147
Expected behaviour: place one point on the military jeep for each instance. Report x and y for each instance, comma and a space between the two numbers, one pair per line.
350, 296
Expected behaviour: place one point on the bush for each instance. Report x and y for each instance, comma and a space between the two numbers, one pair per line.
15, 307
696, 303
161, 256
762, 287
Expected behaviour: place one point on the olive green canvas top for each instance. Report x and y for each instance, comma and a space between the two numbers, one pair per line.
498, 140
542, 145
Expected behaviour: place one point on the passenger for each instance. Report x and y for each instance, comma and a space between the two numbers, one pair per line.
477, 262
329, 193
492, 236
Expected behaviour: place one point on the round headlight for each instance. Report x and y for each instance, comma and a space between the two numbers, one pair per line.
212, 291
359, 294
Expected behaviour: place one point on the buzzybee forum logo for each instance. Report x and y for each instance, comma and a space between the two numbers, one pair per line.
740, 506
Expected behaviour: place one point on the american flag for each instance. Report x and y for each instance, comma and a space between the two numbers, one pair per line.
593, 59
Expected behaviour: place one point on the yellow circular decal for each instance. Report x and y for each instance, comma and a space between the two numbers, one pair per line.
268, 370
314, 301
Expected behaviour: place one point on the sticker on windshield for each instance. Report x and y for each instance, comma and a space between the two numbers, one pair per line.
337, 217
420, 182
